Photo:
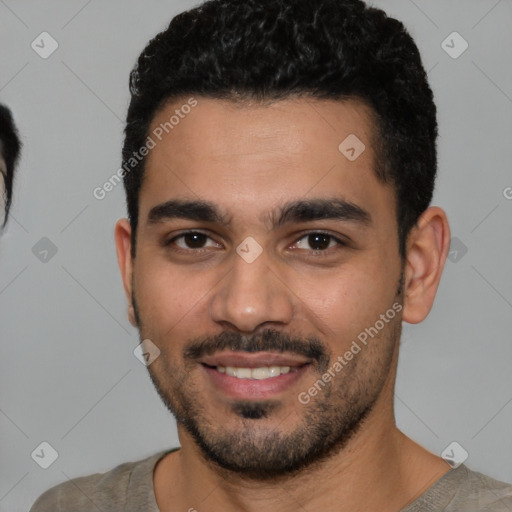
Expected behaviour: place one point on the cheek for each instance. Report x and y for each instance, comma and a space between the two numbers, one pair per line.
169, 298
343, 302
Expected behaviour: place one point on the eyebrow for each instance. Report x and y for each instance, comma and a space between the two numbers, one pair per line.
304, 210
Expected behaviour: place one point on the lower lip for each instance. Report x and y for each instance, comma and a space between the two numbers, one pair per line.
253, 388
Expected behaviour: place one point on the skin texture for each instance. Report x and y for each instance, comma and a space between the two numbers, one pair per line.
341, 450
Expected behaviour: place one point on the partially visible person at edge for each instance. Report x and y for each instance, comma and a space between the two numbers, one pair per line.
10, 146
279, 164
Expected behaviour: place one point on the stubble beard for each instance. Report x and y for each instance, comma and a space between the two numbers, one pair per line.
256, 448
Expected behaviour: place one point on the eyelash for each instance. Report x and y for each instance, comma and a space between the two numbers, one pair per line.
316, 252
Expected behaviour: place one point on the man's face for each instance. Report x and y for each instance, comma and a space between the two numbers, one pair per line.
301, 286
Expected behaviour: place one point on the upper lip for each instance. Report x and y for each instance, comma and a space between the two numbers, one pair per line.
253, 360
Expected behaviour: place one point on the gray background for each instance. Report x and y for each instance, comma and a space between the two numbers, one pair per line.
68, 375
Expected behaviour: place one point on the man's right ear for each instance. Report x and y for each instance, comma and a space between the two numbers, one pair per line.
123, 233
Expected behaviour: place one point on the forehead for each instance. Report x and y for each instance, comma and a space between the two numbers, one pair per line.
260, 154
222, 127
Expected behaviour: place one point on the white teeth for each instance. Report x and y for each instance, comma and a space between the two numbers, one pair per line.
261, 373
264, 372
243, 373
230, 371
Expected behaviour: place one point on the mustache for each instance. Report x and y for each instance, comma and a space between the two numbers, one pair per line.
269, 340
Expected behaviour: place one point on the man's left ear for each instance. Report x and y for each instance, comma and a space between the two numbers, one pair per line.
428, 244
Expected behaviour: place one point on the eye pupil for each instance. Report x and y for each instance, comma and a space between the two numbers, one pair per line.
194, 240
319, 241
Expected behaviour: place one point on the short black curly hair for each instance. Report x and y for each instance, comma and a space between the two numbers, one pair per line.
265, 50
10, 147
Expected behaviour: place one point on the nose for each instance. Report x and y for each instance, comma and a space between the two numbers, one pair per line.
250, 295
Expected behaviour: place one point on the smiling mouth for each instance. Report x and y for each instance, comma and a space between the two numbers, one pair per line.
260, 373
256, 382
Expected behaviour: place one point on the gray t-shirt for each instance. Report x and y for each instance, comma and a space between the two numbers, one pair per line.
129, 488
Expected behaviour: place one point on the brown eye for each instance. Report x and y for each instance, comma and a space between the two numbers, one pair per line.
192, 240
318, 241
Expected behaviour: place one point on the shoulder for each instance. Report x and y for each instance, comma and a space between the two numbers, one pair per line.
485, 493
99, 491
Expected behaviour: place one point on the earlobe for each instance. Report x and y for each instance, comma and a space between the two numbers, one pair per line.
131, 315
125, 262
427, 248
